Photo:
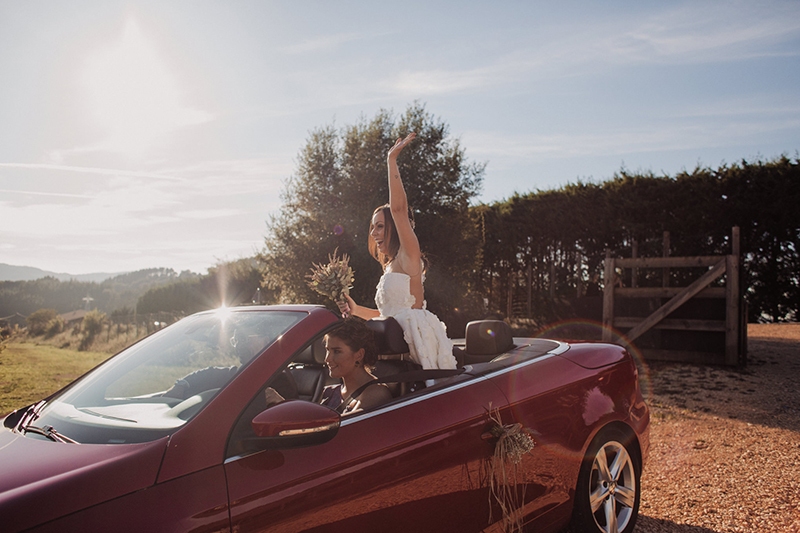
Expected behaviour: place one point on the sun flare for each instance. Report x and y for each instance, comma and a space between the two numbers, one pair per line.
133, 94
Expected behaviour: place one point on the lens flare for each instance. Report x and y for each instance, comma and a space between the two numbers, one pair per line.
591, 330
223, 313
338, 230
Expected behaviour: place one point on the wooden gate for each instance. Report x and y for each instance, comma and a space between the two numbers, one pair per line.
732, 321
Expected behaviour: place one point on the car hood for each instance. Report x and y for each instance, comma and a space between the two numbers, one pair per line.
42, 480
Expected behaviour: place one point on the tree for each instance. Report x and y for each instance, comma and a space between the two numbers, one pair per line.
341, 178
39, 320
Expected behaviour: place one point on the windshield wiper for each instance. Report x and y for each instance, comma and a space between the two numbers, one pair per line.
49, 432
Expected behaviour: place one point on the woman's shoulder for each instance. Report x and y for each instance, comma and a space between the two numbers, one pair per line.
374, 395
412, 267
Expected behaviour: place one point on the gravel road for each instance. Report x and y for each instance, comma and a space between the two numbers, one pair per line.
726, 442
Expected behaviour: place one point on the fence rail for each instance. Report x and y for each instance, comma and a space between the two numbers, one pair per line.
731, 323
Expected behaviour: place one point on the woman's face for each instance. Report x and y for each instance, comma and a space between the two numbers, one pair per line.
377, 231
340, 358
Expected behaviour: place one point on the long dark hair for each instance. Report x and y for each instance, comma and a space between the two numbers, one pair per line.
356, 335
390, 231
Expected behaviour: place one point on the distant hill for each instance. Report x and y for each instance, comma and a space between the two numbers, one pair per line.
26, 273
112, 294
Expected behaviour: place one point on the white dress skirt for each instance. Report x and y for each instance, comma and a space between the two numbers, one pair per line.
424, 333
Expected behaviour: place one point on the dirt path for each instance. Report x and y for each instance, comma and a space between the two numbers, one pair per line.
726, 443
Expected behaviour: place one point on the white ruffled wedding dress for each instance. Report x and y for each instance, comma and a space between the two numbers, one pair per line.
424, 333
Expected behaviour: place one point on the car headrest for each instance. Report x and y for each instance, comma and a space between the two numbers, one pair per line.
488, 337
388, 335
313, 354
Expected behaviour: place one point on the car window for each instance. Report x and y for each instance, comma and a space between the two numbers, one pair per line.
157, 385
243, 440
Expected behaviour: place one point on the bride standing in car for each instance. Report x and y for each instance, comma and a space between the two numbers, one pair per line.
400, 292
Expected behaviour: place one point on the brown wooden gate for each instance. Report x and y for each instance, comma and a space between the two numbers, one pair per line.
732, 321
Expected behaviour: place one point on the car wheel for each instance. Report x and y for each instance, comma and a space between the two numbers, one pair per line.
608, 492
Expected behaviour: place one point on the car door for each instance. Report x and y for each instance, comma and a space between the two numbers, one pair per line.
416, 465
547, 394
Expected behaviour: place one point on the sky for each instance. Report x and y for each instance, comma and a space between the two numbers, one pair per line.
160, 134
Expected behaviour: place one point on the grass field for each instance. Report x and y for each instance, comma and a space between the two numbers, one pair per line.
30, 372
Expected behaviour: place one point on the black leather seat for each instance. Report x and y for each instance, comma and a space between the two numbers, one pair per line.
393, 355
309, 372
389, 337
485, 340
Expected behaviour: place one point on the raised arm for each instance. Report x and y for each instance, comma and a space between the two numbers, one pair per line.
409, 253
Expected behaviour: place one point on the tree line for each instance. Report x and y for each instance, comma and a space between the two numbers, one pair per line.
232, 283
121, 292
558, 238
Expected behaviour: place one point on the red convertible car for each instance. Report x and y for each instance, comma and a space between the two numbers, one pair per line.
174, 434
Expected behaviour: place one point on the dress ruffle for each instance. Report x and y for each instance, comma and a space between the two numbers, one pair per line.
424, 333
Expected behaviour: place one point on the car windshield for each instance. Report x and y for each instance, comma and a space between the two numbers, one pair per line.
155, 386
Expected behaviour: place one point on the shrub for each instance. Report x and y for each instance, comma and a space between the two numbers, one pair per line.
92, 325
39, 320
54, 327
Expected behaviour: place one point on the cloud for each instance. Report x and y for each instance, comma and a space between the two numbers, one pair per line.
322, 43
53, 194
125, 204
204, 214
661, 137
441, 81
691, 34
92, 170
114, 255
236, 177
694, 33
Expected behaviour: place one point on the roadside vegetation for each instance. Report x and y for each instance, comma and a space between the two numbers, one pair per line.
42, 358
30, 372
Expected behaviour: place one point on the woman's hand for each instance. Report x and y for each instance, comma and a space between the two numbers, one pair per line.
346, 306
349, 307
272, 397
399, 145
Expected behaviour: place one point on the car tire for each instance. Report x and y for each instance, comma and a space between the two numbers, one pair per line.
609, 490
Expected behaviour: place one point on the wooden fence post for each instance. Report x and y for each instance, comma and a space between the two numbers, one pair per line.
608, 296
530, 289
666, 254
732, 300
510, 301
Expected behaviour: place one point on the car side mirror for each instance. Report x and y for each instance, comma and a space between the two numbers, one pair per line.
296, 423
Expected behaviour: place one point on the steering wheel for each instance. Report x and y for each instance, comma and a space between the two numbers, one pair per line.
285, 385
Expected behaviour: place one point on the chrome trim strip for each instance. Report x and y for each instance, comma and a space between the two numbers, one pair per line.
306, 431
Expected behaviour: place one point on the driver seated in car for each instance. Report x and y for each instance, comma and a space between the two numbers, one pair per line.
350, 354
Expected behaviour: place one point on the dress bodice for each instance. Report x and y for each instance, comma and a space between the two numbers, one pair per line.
424, 333
393, 293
